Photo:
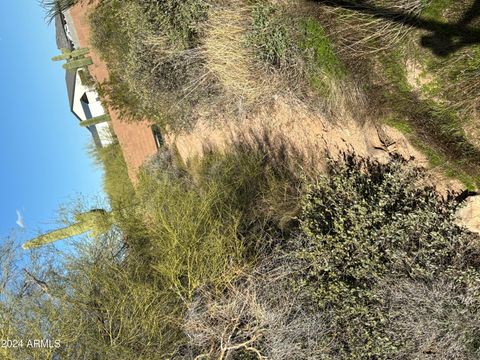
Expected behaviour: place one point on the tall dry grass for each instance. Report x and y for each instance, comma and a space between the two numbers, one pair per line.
229, 58
360, 34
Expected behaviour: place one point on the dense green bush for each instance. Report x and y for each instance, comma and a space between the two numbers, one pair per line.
366, 223
149, 47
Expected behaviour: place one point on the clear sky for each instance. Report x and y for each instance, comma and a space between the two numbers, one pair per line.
43, 150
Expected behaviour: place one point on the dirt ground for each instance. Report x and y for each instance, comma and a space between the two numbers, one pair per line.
307, 131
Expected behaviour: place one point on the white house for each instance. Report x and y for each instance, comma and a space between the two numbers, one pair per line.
84, 100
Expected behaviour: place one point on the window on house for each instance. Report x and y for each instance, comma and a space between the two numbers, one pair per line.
84, 98
157, 136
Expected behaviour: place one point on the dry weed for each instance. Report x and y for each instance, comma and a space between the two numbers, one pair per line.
358, 33
228, 57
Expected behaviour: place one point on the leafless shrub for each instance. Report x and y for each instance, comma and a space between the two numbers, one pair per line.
257, 314
433, 321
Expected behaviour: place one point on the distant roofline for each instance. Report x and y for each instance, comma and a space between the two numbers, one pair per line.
63, 42
71, 80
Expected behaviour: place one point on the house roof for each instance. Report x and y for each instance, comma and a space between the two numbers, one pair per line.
70, 79
62, 40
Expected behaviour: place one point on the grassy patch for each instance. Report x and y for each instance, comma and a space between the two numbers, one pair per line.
393, 67
435, 9
451, 169
322, 62
441, 129
400, 124
315, 40
435, 128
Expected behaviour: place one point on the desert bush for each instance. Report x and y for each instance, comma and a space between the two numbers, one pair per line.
378, 270
261, 178
219, 214
116, 182
435, 320
367, 222
256, 316
189, 244
98, 302
151, 52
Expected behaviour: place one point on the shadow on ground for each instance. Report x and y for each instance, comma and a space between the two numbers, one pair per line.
443, 39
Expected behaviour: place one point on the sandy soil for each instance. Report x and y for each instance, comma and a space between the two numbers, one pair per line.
308, 132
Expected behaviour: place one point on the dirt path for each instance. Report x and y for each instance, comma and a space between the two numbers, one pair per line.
307, 131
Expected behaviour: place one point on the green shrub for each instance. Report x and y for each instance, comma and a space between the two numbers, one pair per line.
269, 35
220, 214
189, 243
368, 222
149, 47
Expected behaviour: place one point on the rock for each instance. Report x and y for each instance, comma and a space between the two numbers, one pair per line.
469, 215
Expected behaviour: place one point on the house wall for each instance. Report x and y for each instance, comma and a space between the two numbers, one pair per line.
104, 133
95, 107
77, 107
135, 138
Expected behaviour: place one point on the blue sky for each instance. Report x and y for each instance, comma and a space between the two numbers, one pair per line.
43, 150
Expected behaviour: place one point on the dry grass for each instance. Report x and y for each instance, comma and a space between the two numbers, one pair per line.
227, 56
358, 34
